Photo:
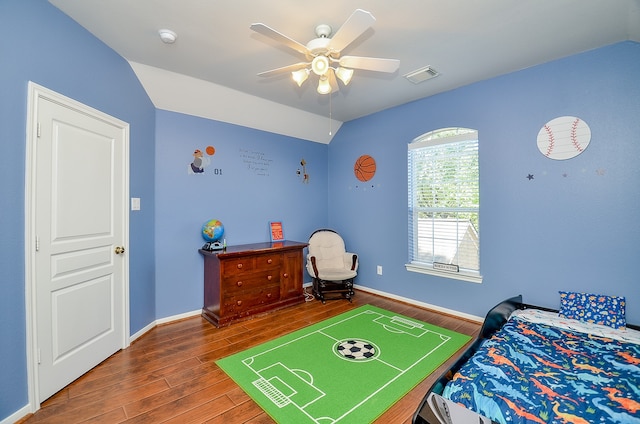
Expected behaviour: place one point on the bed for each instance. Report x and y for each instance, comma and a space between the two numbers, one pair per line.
538, 365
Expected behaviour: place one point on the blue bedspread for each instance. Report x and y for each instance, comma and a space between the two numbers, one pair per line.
536, 373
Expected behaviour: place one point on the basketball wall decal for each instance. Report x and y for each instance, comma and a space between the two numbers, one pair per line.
364, 168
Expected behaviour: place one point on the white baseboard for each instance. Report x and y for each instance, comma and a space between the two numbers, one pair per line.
141, 332
166, 320
18, 415
421, 304
179, 316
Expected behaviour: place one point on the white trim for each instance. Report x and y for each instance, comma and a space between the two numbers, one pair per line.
29, 225
36, 92
419, 142
18, 415
471, 278
414, 302
166, 320
179, 317
142, 331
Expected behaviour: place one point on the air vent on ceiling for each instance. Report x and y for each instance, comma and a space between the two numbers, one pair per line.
422, 74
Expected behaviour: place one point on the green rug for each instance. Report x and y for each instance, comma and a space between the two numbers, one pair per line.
346, 369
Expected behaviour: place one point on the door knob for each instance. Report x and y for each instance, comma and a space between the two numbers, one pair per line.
119, 250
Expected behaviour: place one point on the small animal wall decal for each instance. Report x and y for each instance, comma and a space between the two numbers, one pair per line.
201, 160
303, 173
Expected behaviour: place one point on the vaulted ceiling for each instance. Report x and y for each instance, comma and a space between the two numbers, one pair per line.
211, 69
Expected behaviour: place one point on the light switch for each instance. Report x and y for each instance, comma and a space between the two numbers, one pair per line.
135, 203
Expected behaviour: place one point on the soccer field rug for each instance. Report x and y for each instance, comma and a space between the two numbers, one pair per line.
346, 369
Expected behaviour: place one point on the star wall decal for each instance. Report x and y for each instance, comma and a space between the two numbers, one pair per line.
530, 177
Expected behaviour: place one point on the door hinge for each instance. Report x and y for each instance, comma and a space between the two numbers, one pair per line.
39, 356
37, 244
38, 132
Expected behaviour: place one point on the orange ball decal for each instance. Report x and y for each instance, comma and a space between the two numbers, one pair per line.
210, 150
364, 168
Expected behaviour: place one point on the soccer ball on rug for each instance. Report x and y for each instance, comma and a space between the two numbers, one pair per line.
356, 350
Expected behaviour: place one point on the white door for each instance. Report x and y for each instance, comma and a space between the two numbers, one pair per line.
80, 226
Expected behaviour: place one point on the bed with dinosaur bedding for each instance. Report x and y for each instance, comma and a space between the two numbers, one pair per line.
579, 364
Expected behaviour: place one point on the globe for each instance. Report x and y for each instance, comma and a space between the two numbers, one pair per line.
212, 230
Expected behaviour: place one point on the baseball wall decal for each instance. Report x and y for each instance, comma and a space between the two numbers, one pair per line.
564, 138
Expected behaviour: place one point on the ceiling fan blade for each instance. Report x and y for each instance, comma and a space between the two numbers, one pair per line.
333, 82
279, 37
370, 63
284, 69
359, 21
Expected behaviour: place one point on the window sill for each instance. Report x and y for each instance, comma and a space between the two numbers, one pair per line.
471, 278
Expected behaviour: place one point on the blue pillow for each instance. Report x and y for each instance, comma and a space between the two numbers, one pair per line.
594, 308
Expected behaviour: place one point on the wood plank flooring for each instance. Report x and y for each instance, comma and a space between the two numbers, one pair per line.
169, 374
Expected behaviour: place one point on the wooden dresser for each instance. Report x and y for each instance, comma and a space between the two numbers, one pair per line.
248, 279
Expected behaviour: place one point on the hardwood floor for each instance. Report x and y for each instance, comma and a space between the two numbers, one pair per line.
169, 374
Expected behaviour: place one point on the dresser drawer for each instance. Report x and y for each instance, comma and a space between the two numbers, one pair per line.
248, 264
230, 267
250, 281
272, 260
248, 300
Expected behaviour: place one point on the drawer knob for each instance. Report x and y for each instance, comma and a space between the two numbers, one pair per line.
239, 266
239, 302
269, 260
239, 284
268, 295
269, 277
286, 275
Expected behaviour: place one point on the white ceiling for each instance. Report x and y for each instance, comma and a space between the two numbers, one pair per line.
210, 71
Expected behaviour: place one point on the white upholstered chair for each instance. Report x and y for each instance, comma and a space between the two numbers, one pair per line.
330, 266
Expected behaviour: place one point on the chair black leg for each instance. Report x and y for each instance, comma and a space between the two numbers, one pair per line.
317, 291
336, 289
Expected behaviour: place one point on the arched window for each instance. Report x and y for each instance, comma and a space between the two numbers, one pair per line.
444, 204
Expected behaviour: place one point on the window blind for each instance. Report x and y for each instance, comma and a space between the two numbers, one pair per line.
444, 200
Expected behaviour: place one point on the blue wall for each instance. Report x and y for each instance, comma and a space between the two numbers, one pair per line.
579, 232
252, 179
43, 45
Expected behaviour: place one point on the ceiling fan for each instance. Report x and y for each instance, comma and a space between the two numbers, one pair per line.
323, 54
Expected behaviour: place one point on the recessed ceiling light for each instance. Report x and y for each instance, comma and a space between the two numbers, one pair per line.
167, 36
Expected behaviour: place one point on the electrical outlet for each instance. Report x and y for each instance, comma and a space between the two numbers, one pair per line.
379, 269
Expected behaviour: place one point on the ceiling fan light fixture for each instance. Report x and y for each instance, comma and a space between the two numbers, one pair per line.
320, 65
344, 74
323, 85
323, 54
300, 76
